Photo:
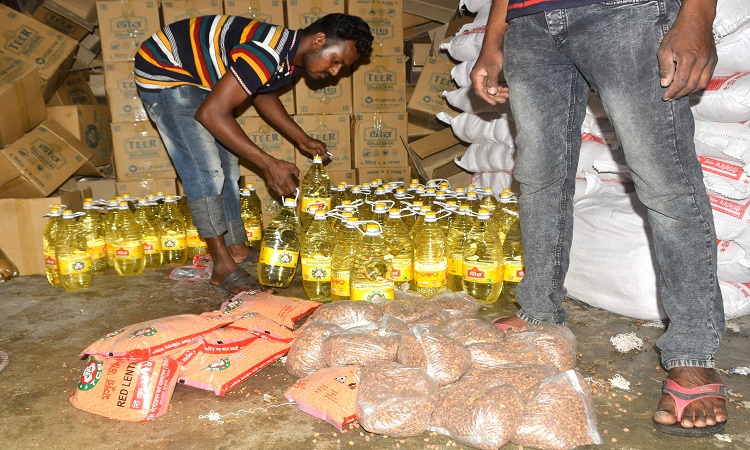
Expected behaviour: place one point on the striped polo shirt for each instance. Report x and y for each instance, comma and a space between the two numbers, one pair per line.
200, 50
518, 8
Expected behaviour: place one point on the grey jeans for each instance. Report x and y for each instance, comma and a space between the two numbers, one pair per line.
552, 60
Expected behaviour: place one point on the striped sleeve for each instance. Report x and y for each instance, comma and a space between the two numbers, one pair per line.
254, 62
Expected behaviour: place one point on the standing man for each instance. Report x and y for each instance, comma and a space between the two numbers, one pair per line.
191, 76
643, 57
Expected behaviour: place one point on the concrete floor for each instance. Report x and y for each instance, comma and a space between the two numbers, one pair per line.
43, 329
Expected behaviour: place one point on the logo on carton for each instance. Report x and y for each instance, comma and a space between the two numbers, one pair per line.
325, 94
128, 26
325, 134
380, 79
127, 86
265, 135
306, 18
380, 135
440, 81
22, 41
382, 29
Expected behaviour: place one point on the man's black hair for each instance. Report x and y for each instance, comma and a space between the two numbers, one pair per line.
344, 27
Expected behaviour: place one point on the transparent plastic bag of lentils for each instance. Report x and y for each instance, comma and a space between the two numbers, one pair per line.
442, 358
360, 346
560, 416
306, 355
349, 314
395, 400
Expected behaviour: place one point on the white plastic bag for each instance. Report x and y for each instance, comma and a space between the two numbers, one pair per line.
489, 157
726, 99
480, 128
736, 299
466, 100
730, 16
733, 52
733, 262
732, 139
461, 73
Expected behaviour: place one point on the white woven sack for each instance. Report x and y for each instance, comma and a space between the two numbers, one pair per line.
733, 52
480, 128
725, 177
461, 73
730, 16
736, 299
496, 180
487, 157
465, 46
466, 100
597, 156
733, 262
726, 99
473, 5
732, 219
732, 139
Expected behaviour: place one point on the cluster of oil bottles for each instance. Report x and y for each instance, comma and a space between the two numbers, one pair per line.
126, 234
361, 242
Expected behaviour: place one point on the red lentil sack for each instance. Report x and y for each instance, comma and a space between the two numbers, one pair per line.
445, 361
145, 340
306, 355
360, 346
395, 400
329, 394
560, 416
472, 331
456, 305
349, 314
261, 325
409, 311
221, 372
282, 310
479, 411
227, 340
126, 390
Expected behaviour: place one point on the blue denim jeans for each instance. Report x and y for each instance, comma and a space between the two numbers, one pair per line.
552, 60
209, 172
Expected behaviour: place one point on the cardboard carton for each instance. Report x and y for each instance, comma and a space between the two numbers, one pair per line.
438, 10
335, 132
433, 156
101, 188
286, 96
74, 90
376, 140
269, 11
21, 98
141, 188
325, 96
387, 174
268, 139
23, 223
41, 161
124, 25
346, 176
90, 125
427, 100
385, 18
301, 13
175, 10
75, 18
139, 152
28, 39
379, 85
125, 104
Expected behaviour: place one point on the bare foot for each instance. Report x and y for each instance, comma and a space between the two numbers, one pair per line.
700, 413
515, 323
239, 252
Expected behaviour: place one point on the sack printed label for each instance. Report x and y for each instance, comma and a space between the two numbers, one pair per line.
485, 273
91, 374
316, 269
283, 258
402, 271
151, 245
340, 284
221, 364
431, 275
111, 334
74, 264
143, 332
129, 250
174, 242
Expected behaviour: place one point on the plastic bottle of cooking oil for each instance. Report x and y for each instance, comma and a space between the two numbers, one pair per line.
173, 232
131, 201
347, 241
151, 237
92, 227
315, 191
445, 217
128, 243
339, 194
410, 219
279, 251
195, 243
482, 270
380, 212
471, 188
454, 247
48, 244
371, 276
355, 193
72, 255
460, 195
502, 219
316, 251
428, 198
255, 202
400, 245
419, 222
430, 258
110, 217
488, 201
513, 253
473, 201
251, 218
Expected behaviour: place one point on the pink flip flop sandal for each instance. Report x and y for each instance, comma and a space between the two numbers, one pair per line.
503, 326
685, 396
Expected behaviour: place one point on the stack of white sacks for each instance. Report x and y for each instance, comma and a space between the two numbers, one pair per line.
612, 261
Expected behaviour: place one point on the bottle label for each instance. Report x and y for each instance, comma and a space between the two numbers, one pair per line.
151, 245
49, 259
194, 240
477, 272
110, 250
513, 271
314, 203
317, 268
129, 250
173, 242
371, 293
283, 258
431, 275
455, 265
73, 264
402, 271
253, 233
97, 248
340, 284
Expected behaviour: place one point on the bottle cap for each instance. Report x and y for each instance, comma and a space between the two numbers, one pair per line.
372, 229
483, 214
488, 190
289, 203
471, 195
394, 213
429, 216
320, 214
317, 159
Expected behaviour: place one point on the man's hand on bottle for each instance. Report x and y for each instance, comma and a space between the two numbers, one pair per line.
313, 147
281, 176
